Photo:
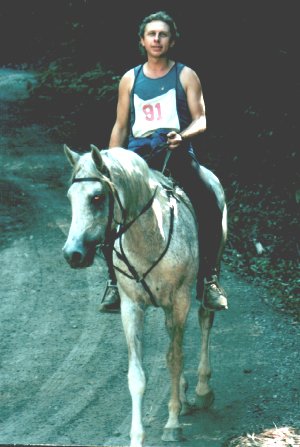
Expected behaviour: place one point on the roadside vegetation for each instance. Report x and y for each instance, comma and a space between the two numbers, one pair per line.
279, 437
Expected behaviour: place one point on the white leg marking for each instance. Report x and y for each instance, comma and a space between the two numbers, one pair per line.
133, 322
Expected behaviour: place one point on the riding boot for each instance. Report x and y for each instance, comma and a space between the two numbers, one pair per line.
210, 234
110, 302
210, 293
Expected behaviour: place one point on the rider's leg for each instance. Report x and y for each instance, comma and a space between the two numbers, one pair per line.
110, 302
208, 204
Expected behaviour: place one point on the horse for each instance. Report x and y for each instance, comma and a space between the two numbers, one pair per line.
117, 199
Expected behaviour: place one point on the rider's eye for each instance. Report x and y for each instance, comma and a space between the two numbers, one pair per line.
97, 199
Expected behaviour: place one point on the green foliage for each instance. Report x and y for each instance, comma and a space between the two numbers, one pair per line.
60, 80
263, 244
77, 104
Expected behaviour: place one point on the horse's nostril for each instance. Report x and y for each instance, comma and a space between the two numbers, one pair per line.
73, 257
76, 258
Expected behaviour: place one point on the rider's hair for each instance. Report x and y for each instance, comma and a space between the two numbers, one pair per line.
163, 16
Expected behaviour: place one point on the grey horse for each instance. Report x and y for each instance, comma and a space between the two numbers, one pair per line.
116, 198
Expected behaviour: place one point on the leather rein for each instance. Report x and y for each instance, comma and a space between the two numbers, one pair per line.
111, 236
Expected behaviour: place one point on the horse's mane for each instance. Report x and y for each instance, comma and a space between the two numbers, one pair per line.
133, 178
130, 175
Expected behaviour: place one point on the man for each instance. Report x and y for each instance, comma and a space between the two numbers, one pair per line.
160, 104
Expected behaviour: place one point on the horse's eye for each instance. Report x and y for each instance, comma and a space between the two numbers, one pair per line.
97, 199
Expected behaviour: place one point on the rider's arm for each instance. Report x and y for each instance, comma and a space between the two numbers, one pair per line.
196, 104
192, 86
119, 132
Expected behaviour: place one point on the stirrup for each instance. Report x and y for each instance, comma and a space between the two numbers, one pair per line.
109, 284
214, 297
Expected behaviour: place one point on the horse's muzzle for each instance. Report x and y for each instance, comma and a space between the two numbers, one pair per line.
80, 256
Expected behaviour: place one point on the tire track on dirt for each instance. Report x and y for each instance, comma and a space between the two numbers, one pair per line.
58, 384
57, 388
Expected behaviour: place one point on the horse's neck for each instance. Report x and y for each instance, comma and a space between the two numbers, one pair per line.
150, 230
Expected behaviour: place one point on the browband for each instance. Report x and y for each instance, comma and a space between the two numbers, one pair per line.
86, 179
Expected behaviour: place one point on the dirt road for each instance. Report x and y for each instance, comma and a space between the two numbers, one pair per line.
63, 372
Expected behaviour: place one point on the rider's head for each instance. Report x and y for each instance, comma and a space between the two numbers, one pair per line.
158, 16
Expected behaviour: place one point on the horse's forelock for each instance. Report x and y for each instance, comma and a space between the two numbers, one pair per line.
87, 168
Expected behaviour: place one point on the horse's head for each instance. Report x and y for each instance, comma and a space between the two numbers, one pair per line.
90, 197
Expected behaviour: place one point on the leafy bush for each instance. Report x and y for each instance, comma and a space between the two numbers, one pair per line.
77, 104
263, 243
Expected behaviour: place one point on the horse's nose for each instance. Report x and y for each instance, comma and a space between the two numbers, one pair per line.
74, 257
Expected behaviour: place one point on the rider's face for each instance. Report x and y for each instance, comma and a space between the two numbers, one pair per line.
157, 39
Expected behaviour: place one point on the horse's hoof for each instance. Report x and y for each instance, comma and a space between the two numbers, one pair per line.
172, 434
205, 401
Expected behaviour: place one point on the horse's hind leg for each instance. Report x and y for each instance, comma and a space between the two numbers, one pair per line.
133, 322
175, 322
204, 394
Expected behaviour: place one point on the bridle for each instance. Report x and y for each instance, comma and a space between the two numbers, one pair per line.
111, 236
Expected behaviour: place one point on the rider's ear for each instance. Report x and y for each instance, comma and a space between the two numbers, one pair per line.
72, 156
96, 156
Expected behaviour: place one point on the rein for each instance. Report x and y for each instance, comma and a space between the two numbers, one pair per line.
133, 271
109, 240
124, 227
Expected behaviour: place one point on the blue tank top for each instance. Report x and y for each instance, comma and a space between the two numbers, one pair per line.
158, 103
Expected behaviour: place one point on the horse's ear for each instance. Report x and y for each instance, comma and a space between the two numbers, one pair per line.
72, 156
96, 156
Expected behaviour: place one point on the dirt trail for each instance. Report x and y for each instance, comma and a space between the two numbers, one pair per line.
63, 371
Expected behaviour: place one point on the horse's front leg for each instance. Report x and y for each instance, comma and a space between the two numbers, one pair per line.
204, 393
175, 322
133, 323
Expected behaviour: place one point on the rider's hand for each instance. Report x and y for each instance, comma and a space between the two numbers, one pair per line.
174, 139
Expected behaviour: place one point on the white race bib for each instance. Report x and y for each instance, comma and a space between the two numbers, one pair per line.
155, 113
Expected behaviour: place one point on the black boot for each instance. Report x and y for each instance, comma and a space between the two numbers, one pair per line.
208, 205
213, 296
